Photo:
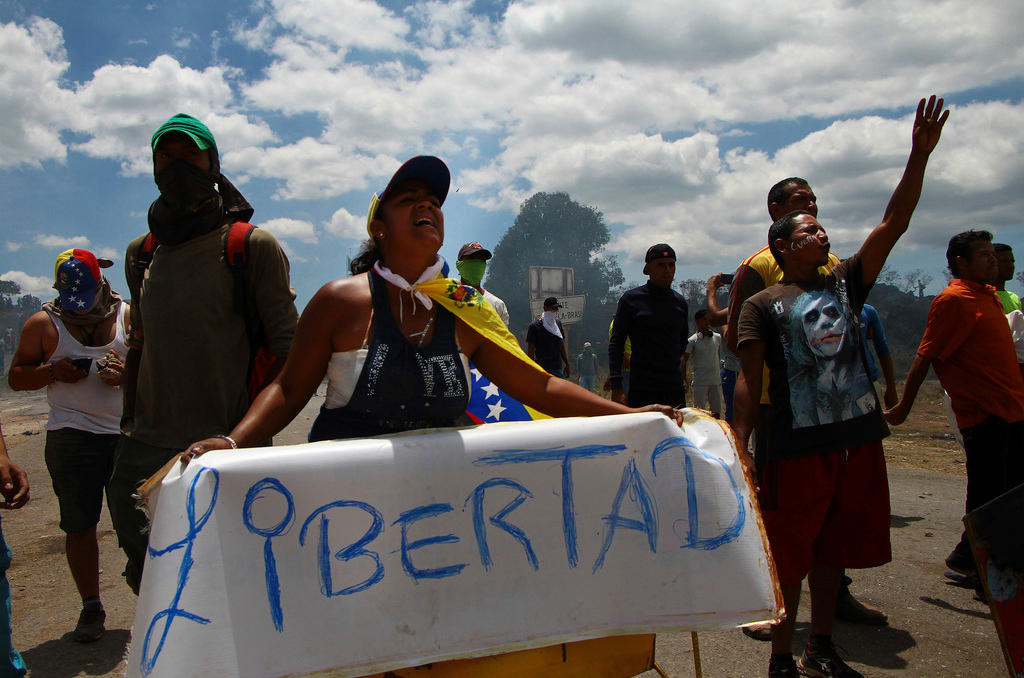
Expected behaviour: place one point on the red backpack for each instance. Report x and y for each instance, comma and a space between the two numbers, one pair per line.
236, 254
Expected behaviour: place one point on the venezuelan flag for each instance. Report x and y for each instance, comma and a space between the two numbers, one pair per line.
489, 404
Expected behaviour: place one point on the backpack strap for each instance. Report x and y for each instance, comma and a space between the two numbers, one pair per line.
261, 360
236, 256
144, 257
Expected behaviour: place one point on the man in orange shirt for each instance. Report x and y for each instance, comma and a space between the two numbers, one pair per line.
969, 343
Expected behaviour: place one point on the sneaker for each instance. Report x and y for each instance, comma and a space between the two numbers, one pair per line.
963, 563
852, 610
90, 626
761, 631
826, 663
783, 669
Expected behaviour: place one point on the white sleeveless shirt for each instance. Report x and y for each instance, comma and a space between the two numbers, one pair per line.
88, 404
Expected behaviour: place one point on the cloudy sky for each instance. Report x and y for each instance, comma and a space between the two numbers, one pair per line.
671, 118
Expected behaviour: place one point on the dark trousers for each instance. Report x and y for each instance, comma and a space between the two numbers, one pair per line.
728, 390
995, 463
134, 462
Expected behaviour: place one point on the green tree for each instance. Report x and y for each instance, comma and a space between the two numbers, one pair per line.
8, 290
694, 291
30, 303
552, 229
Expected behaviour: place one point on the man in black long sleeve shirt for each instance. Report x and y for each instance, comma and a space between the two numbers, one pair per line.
654, 318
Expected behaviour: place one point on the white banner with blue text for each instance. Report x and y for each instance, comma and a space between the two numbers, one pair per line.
375, 554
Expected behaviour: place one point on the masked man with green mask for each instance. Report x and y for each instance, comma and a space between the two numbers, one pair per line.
186, 373
471, 264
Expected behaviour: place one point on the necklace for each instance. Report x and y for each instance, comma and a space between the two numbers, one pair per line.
422, 334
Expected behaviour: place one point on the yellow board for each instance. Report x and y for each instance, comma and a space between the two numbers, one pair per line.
614, 657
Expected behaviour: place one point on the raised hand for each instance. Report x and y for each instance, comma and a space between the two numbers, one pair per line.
928, 124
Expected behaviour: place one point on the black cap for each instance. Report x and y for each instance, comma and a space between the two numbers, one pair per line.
471, 248
658, 251
552, 301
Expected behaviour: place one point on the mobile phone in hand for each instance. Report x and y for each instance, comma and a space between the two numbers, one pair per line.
727, 278
82, 363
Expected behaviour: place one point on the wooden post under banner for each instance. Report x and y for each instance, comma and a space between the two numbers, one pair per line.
696, 654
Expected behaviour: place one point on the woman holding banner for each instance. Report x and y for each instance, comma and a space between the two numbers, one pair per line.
396, 354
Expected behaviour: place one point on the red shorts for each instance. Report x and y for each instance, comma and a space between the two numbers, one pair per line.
827, 509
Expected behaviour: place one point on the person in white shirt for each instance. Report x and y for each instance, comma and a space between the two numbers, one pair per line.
706, 348
75, 349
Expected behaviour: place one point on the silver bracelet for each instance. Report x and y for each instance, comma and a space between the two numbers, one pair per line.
231, 442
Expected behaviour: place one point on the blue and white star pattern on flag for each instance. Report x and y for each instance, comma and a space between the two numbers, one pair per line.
72, 279
489, 404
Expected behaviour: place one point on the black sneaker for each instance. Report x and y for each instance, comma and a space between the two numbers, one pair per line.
783, 669
825, 662
90, 626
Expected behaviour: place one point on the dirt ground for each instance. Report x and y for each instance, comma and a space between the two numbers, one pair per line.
46, 604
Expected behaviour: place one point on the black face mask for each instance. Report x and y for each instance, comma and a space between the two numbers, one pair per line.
189, 204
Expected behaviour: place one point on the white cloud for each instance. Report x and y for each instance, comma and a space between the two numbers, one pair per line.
13, 246
344, 23
293, 256
291, 228
853, 165
347, 225
123, 105
34, 107
37, 286
64, 242
310, 168
182, 38
627, 107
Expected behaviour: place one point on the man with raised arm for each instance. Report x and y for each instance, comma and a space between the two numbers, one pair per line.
755, 273
969, 342
823, 490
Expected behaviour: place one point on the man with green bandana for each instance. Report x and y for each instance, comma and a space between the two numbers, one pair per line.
471, 264
189, 350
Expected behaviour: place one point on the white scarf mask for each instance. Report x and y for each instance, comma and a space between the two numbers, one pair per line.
548, 320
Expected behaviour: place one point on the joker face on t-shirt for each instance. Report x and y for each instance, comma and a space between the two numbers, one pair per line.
827, 382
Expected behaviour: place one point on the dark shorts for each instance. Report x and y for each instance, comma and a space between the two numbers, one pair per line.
79, 463
827, 509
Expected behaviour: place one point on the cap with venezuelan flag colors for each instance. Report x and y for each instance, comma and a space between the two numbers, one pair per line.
77, 278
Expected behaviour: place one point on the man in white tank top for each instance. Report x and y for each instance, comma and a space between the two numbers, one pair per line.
75, 348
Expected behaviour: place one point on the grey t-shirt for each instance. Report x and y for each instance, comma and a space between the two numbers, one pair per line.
195, 355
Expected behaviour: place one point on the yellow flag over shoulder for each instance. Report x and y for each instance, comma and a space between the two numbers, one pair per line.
470, 306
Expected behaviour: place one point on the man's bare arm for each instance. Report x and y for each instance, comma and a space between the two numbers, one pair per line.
747, 396
889, 396
717, 316
29, 367
928, 124
918, 371
13, 480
